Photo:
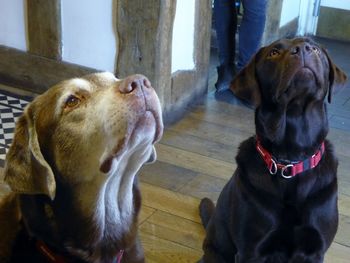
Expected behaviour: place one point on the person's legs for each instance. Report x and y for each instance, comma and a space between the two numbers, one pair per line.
225, 24
251, 30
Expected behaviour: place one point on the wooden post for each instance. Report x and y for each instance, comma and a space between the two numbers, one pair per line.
44, 28
145, 36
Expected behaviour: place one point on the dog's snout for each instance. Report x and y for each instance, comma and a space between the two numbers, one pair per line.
307, 47
304, 48
134, 82
295, 50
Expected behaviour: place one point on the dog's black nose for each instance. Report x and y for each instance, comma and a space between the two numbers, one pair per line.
134, 82
301, 47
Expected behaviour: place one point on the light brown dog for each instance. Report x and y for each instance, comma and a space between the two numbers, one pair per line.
72, 169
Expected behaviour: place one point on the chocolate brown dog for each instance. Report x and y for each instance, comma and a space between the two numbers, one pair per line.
281, 203
72, 169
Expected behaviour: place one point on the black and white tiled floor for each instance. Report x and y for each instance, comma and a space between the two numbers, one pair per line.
11, 107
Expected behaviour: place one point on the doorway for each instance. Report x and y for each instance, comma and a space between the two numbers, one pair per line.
325, 18
334, 19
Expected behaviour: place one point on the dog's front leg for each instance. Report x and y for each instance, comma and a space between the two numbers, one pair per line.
212, 256
134, 254
217, 246
303, 258
320, 223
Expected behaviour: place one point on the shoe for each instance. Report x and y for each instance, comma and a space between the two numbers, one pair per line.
226, 73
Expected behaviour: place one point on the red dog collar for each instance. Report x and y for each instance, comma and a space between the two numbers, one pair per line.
56, 258
290, 169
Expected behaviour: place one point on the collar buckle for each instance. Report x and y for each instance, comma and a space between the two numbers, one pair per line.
273, 167
284, 169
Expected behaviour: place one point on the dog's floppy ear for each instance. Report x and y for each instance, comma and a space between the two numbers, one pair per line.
26, 170
245, 85
337, 77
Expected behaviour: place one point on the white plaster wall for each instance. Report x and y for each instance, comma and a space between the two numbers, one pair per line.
88, 33
290, 10
13, 24
183, 36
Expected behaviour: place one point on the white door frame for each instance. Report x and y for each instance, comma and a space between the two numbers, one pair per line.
309, 11
308, 17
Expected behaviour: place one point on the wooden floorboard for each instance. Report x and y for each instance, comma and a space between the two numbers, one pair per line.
337, 254
195, 161
158, 250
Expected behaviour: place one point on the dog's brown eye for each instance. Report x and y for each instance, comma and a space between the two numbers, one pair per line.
72, 101
274, 52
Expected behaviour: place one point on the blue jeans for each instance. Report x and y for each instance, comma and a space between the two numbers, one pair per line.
250, 31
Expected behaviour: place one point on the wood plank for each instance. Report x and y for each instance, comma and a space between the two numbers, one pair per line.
176, 229
204, 186
216, 104
173, 203
339, 122
237, 117
159, 250
211, 132
195, 144
195, 162
344, 188
343, 233
166, 175
337, 254
343, 167
44, 28
145, 213
341, 141
344, 204
338, 110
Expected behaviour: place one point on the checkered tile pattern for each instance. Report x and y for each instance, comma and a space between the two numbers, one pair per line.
3, 152
11, 107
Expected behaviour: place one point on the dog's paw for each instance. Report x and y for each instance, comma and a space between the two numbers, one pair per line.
302, 258
206, 210
277, 257
308, 240
275, 244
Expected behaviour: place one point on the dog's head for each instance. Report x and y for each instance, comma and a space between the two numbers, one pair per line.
83, 128
286, 71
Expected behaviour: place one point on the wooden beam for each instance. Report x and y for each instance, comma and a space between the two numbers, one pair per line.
35, 73
145, 38
44, 28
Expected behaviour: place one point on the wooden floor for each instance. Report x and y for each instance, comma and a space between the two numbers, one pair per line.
196, 159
